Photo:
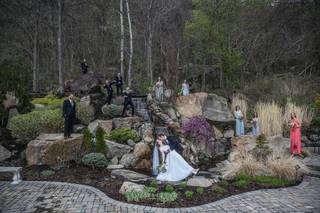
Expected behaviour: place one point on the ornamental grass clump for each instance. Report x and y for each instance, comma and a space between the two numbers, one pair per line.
270, 118
304, 113
242, 161
197, 128
284, 166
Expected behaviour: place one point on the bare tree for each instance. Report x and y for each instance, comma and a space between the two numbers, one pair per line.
60, 71
131, 45
35, 59
121, 39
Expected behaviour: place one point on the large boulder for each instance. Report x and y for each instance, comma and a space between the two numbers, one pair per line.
106, 125
142, 150
146, 133
129, 186
4, 153
117, 149
85, 84
200, 182
216, 132
229, 133
216, 110
128, 122
191, 105
129, 160
123, 174
278, 142
53, 149
11, 101
144, 164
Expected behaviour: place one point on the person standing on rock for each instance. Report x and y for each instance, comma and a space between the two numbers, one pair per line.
239, 121
69, 114
185, 88
159, 89
108, 87
84, 66
295, 134
255, 124
119, 84
127, 94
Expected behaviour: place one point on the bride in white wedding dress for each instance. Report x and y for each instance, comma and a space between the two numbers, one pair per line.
176, 167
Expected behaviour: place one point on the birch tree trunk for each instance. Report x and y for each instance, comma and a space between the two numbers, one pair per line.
60, 72
149, 53
131, 45
35, 60
149, 41
122, 39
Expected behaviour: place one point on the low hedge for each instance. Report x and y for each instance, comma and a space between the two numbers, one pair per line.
94, 160
29, 126
111, 111
122, 135
85, 113
49, 100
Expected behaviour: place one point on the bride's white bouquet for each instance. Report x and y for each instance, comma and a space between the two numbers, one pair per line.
162, 168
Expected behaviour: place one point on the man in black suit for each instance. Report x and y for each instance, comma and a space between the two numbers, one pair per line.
69, 114
108, 87
127, 101
84, 66
119, 84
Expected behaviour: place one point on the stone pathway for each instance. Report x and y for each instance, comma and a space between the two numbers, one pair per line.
63, 197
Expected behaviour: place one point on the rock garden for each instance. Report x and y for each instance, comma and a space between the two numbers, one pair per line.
114, 153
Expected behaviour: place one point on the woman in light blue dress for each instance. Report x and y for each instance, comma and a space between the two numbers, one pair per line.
255, 124
239, 121
159, 89
185, 88
176, 168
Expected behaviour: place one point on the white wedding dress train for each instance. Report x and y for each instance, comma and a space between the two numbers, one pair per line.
177, 168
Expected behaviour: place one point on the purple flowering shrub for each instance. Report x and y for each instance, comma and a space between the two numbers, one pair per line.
198, 128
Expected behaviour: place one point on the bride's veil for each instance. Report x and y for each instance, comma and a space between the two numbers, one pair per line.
155, 160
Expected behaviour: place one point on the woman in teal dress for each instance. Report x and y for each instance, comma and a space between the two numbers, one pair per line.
239, 121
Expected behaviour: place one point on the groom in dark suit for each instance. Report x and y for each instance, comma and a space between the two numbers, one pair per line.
173, 142
69, 114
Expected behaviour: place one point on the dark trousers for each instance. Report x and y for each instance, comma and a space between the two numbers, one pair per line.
125, 106
109, 98
119, 90
68, 125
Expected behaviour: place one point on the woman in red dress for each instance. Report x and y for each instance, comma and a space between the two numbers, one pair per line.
295, 134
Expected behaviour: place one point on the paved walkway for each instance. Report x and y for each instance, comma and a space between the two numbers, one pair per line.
63, 197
